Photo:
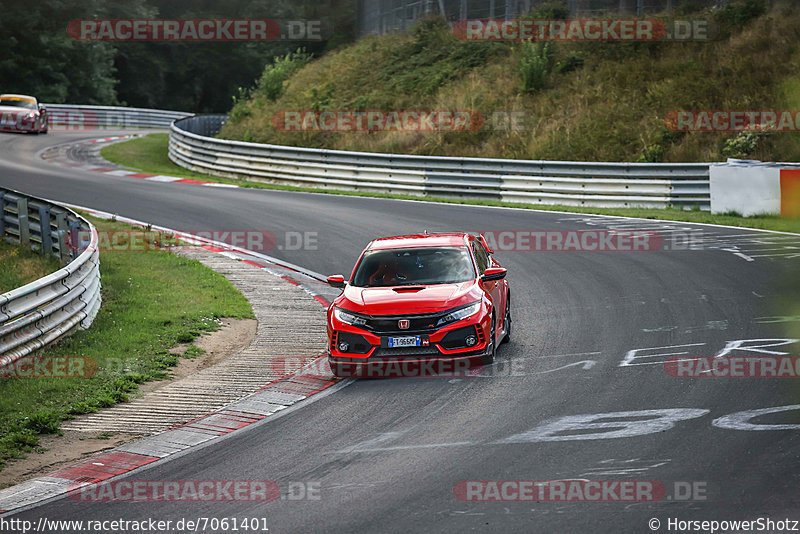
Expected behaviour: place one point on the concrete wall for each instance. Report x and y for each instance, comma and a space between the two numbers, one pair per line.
755, 188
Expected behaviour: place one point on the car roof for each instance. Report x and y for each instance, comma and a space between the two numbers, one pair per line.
454, 239
11, 95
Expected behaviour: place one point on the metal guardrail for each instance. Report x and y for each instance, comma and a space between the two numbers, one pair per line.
43, 311
568, 183
68, 116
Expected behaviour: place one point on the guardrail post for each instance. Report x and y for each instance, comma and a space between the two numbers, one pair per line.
2, 215
44, 225
75, 238
24, 223
63, 237
47, 309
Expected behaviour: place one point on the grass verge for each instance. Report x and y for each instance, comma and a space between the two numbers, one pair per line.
152, 301
20, 265
574, 100
149, 155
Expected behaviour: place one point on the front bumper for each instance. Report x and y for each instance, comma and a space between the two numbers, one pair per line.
450, 350
439, 366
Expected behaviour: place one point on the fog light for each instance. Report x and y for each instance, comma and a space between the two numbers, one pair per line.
343, 346
470, 341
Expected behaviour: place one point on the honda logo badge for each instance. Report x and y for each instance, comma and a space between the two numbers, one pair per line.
403, 324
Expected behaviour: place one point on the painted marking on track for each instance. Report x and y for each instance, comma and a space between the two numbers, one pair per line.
569, 355
609, 425
740, 420
587, 364
408, 447
370, 443
631, 355
739, 344
614, 467
737, 253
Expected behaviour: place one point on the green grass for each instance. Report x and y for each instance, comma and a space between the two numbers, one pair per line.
141, 154
152, 301
589, 101
20, 265
129, 154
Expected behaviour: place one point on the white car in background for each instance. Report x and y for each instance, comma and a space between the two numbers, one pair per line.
22, 113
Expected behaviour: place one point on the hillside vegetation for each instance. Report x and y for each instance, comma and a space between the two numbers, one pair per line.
594, 101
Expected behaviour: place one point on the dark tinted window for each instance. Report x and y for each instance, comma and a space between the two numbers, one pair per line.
481, 256
411, 266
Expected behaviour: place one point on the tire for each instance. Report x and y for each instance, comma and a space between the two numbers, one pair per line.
489, 358
507, 322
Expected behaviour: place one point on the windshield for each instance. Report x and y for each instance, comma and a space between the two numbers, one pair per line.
412, 266
17, 103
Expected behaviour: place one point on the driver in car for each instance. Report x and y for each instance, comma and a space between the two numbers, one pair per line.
386, 274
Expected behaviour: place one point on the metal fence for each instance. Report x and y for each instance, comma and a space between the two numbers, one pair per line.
69, 116
43, 311
568, 183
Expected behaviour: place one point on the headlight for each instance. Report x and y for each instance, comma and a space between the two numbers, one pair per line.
459, 313
348, 318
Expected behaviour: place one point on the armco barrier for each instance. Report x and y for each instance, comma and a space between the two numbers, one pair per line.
43, 311
69, 117
567, 183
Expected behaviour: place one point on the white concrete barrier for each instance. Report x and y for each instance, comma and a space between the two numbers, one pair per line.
755, 188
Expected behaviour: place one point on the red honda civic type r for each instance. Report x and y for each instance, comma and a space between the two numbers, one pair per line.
425, 304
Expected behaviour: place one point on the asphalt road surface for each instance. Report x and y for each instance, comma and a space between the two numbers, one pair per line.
592, 331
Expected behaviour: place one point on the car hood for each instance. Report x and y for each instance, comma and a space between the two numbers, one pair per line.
408, 299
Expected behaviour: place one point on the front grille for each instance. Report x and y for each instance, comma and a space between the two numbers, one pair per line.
404, 353
418, 324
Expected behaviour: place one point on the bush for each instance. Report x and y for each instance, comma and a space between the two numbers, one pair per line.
535, 62
743, 145
553, 10
652, 154
271, 83
43, 423
569, 63
741, 12
24, 439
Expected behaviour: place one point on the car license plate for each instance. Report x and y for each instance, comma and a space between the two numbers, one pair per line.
406, 341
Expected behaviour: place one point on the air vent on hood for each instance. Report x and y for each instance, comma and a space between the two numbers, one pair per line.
408, 289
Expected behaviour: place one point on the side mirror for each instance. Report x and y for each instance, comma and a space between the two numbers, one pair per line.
336, 280
493, 273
